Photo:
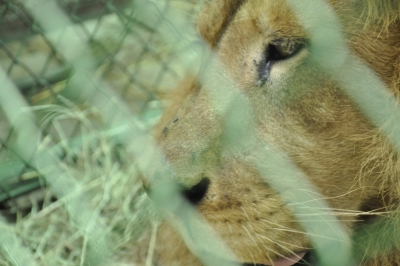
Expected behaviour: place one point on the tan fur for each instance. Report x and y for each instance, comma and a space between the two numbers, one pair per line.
303, 112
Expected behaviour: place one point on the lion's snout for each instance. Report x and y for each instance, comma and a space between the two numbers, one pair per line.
166, 190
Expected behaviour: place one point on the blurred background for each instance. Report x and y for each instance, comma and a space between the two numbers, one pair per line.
82, 80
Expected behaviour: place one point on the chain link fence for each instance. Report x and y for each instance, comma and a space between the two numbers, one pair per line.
127, 53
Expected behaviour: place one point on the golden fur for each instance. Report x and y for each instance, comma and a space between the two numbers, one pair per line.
302, 111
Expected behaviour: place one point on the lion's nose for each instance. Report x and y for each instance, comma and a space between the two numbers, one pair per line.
196, 193
164, 191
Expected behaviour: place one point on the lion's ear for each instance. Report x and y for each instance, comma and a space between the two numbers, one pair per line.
382, 11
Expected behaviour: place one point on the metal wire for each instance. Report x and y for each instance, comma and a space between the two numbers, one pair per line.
37, 66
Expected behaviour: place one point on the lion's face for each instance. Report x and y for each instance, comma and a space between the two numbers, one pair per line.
263, 53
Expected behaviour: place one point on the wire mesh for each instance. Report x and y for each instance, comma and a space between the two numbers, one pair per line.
40, 108
82, 84
126, 52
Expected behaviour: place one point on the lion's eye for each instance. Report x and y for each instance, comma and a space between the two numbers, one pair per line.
283, 49
278, 50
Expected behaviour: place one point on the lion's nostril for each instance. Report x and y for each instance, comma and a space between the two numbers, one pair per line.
196, 193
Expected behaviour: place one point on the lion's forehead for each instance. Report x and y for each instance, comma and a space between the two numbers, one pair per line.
215, 16
252, 16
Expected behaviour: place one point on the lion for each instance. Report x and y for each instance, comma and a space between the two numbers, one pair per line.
314, 84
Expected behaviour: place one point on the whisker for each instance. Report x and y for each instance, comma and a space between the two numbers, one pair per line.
251, 237
230, 228
281, 246
343, 213
248, 219
290, 244
320, 196
273, 251
328, 220
298, 248
306, 233
287, 229
252, 257
347, 210
245, 213
255, 242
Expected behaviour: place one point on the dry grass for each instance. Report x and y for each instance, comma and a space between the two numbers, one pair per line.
107, 190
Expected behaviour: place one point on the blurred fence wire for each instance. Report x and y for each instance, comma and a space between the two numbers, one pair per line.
74, 74
81, 85
41, 59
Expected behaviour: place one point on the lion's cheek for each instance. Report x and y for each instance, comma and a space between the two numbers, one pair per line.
319, 135
244, 211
